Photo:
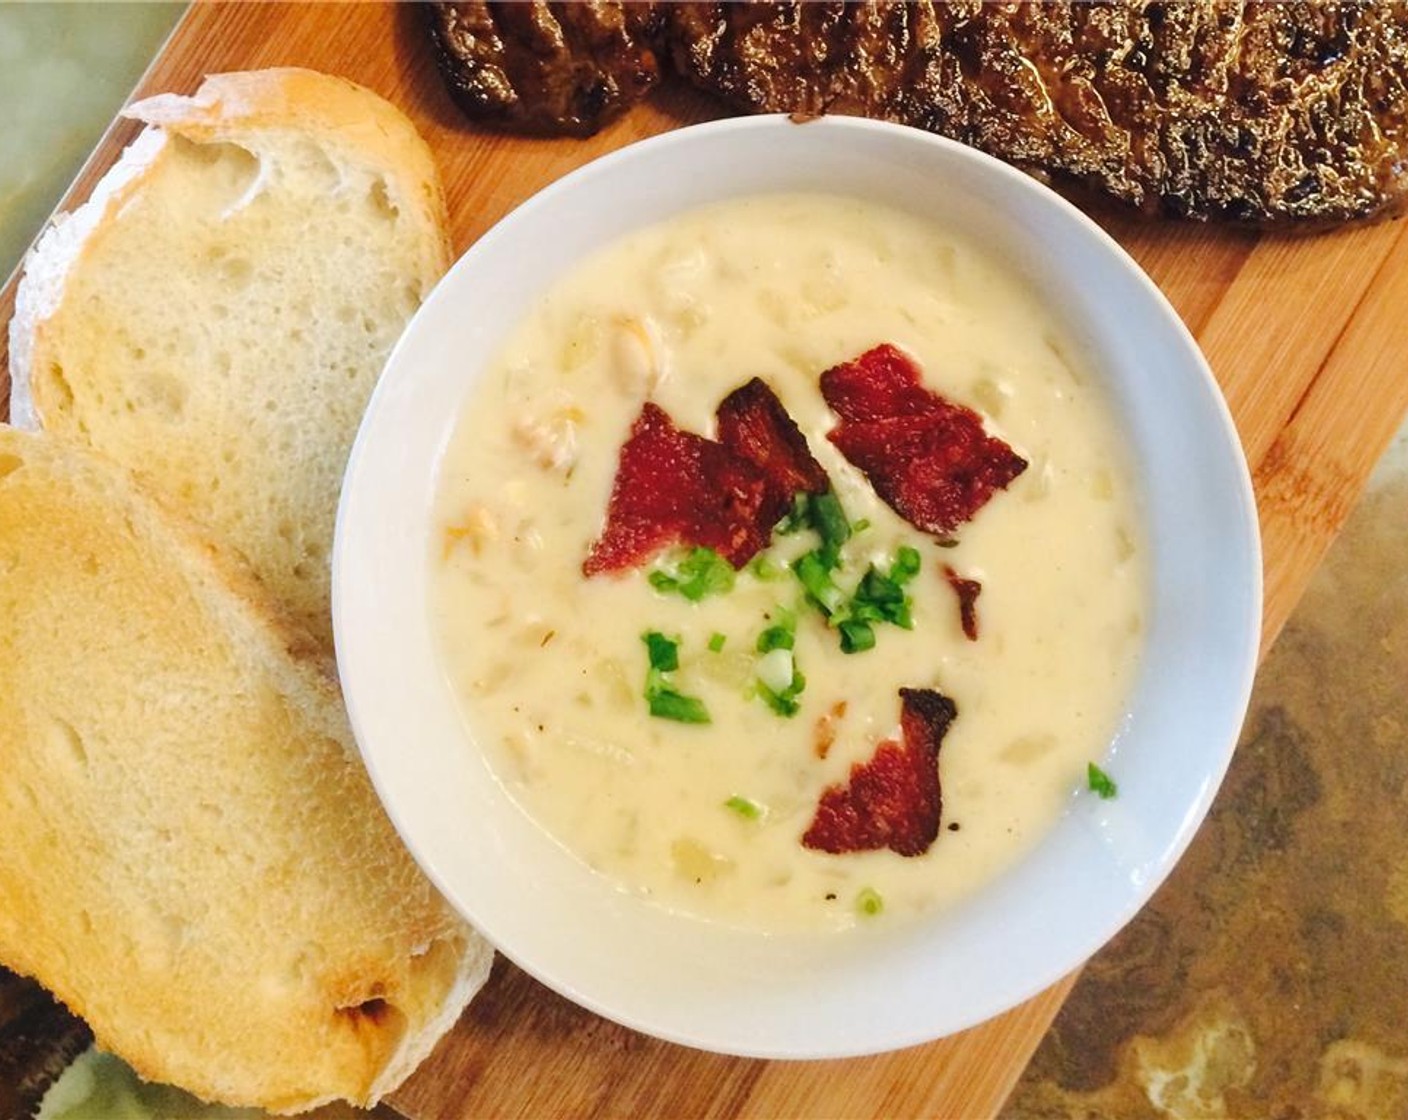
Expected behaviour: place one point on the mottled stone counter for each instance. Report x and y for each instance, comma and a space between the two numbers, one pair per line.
1269, 976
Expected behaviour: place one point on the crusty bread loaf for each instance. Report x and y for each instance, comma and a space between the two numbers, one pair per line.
216, 315
193, 857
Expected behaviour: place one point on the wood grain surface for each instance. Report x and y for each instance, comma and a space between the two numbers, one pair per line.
1305, 333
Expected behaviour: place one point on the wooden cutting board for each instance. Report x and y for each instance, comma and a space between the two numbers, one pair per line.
1307, 337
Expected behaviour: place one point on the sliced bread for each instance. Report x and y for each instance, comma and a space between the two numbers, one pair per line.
216, 315
194, 859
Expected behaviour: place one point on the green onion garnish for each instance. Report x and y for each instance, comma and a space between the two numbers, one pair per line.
716, 641
813, 571
700, 573
664, 652
784, 703
661, 697
1100, 782
796, 518
749, 810
765, 568
823, 514
869, 902
856, 636
829, 521
878, 589
880, 596
906, 565
782, 635
666, 703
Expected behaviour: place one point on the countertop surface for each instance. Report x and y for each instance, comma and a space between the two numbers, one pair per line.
64, 71
1269, 976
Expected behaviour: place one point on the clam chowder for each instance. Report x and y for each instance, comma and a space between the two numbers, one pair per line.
676, 722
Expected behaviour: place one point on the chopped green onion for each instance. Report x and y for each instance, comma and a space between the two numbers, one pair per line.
796, 518
777, 637
906, 565
1100, 782
856, 637
702, 572
664, 652
765, 568
869, 902
879, 597
749, 810
823, 514
716, 641
784, 703
779, 682
860, 526
813, 571
829, 521
666, 703
661, 697
782, 634
879, 589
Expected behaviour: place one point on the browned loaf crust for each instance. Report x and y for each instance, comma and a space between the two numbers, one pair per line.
1258, 112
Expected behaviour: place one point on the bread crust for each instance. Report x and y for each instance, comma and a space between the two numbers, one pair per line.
42, 285
238, 105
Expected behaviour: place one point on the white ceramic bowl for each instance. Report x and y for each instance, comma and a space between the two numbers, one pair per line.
805, 996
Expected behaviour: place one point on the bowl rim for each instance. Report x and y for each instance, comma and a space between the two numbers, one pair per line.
350, 606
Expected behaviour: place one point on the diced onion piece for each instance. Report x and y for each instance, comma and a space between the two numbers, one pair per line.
730, 668
694, 861
775, 669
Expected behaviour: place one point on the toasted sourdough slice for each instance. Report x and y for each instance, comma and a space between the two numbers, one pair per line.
193, 858
216, 315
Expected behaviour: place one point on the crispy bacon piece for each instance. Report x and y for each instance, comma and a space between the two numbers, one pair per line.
893, 801
881, 384
754, 425
967, 591
674, 487
929, 459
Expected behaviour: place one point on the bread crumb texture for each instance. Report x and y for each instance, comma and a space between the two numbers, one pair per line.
194, 860
216, 317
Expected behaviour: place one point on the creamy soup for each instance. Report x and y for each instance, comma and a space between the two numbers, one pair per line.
550, 667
